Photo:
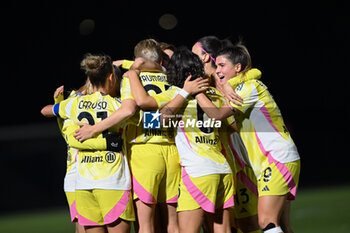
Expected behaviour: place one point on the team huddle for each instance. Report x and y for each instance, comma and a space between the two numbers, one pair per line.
222, 159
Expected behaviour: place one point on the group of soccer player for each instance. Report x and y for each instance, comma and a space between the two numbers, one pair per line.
236, 176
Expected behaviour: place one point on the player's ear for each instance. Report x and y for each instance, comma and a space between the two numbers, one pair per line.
238, 67
110, 77
206, 58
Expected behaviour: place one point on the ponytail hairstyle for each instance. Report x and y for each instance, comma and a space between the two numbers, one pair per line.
212, 45
238, 54
97, 68
182, 64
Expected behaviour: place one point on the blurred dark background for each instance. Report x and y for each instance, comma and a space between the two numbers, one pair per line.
302, 51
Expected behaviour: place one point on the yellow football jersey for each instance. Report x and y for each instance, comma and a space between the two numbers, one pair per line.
154, 83
96, 168
197, 137
262, 128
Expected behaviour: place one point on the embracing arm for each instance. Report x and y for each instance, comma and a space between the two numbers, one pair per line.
190, 88
111, 142
211, 110
126, 110
142, 99
47, 111
146, 102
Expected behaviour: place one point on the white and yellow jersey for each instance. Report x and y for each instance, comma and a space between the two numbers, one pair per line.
262, 128
67, 127
197, 136
154, 83
72, 154
97, 169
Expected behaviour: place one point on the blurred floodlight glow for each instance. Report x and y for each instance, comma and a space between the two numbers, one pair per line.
86, 27
167, 21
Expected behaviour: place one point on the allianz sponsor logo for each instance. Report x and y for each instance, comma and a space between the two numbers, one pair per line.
109, 157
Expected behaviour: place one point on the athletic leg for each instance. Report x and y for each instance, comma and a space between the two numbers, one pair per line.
95, 229
79, 228
190, 221
145, 216
248, 224
269, 211
169, 217
285, 222
220, 221
119, 226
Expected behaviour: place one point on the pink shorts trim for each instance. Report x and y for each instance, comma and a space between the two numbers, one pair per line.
206, 204
118, 209
86, 222
173, 200
229, 203
248, 183
282, 168
142, 193
73, 212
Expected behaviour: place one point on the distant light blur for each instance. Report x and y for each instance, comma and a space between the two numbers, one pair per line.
167, 21
86, 27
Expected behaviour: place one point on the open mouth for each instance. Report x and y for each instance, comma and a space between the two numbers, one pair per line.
221, 77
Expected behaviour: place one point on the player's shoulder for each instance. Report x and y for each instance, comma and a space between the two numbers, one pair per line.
249, 85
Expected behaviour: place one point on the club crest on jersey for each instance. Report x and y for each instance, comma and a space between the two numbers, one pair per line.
151, 119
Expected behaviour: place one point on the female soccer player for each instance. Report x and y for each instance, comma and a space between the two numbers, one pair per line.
206, 187
103, 187
271, 150
67, 128
245, 210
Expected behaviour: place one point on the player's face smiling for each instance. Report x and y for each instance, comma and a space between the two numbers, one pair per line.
225, 69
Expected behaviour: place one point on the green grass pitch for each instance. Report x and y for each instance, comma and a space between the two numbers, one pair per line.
325, 210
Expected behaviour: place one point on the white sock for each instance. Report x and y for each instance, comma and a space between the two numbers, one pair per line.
274, 230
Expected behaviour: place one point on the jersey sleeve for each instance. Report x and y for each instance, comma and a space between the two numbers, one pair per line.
57, 100
219, 101
249, 75
125, 89
248, 92
63, 109
89, 144
166, 96
127, 64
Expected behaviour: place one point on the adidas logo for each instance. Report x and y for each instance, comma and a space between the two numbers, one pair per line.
243, 210
265, 188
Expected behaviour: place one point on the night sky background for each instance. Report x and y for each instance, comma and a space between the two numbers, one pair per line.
302, 51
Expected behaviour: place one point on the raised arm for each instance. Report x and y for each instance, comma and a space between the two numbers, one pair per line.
190, 88
146, 102
142, 99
